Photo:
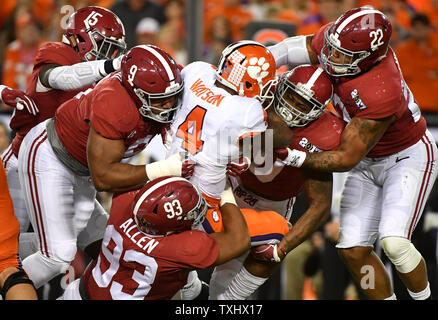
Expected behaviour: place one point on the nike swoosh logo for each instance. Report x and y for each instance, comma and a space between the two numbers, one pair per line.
400, 159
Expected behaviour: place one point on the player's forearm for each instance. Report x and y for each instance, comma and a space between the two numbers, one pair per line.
77, 76
329, 161
309, 222
119, 177
235, 224
294, 51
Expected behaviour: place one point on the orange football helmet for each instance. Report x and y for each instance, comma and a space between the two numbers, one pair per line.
248, 67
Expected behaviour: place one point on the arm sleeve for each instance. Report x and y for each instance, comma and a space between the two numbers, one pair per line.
77, 76
291, 51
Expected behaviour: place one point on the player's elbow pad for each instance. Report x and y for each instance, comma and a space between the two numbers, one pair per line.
291, 51
79, 75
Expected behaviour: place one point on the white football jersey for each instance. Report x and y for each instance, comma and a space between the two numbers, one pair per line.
209, 125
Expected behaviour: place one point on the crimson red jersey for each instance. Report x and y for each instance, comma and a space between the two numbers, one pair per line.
376, 94
133, 265
47, 102
285, 182
113, 114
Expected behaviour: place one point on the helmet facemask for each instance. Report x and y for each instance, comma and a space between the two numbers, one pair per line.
104, 47
197, 214
158, 114
307, 108
267, 93
332, 49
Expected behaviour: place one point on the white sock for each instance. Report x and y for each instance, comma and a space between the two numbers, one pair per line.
223, 275
242, 286
422, 295
392, 297
193, 287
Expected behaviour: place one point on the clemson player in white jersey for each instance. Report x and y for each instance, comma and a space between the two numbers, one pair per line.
221, 107
386, 147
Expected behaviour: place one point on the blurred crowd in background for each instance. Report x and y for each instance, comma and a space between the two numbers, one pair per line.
26, 24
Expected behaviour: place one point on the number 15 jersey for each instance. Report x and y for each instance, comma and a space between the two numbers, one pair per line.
210, 125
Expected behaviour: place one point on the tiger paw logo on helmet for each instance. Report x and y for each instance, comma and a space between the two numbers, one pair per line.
258, 67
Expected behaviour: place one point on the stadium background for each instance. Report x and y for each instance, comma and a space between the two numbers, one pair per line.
198, 30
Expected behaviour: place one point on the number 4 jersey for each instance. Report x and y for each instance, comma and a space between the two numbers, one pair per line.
210, 124
132, 265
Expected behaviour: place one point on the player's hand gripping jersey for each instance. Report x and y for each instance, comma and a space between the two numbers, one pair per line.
286, 182
210, 124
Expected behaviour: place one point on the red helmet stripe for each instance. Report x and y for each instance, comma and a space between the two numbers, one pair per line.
163, 62
313, 78
354, 16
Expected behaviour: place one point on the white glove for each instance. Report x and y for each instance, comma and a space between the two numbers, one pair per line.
268, 252
117, 62
294, 158
18, 99
227, 196
175, 165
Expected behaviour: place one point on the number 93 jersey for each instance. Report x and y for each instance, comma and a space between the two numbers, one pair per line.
210, 124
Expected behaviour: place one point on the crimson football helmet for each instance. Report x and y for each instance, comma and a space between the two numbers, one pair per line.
95, 33
302, 95
150, 74
355, 42
168, 204
248, 67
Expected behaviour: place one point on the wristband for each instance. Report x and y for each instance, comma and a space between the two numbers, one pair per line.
169, 167
228, 197
295, 158
14, 279
109, 66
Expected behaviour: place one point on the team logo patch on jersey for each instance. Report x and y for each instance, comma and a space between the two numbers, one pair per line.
357, 99
306, 144
215, 216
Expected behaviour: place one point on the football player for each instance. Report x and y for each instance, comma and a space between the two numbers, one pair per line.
151, 244
91, 48
222, 111
301, 98
64, 160
386, 147
14, 282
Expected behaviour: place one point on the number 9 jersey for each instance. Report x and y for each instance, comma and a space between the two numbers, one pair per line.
210, 124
